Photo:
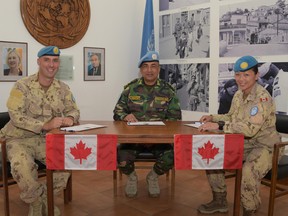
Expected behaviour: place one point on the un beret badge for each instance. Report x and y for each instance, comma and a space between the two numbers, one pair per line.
243, 65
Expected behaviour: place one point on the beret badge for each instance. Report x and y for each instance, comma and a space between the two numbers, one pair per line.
244, 65
56, 50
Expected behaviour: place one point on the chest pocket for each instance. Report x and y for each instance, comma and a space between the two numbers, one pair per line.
35, 109
136, 99
161, 103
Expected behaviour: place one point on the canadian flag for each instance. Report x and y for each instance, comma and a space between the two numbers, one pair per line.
81, 152
219, 151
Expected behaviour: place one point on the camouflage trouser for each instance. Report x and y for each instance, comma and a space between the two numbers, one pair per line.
21, 154
257, 162
128, 152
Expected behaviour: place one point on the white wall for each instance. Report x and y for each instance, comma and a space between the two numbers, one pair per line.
114, 25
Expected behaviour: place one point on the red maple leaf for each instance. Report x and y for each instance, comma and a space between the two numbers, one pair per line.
208, 151
80, 151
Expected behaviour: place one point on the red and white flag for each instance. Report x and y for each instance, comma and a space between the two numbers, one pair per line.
219, 151
81, 152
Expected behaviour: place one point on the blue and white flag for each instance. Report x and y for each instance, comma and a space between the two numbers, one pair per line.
148, 39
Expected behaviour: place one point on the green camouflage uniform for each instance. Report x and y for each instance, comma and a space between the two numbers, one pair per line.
147, 103
255, 118
30, 107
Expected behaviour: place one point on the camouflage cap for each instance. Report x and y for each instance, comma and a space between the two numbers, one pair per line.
49, 51
245, 63
150, 56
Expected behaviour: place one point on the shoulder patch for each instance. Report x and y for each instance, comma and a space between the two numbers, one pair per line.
133, 81
167, 84
254, 111
264, 99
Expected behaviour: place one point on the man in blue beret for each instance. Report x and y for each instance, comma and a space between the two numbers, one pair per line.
252, 114
146, 99
37, 104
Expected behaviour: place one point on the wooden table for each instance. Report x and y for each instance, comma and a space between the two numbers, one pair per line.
141, 134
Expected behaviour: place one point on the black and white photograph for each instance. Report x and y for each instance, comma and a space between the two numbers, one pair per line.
273, 77
174, 4
255, 27
13, 56
185, 34
191, 82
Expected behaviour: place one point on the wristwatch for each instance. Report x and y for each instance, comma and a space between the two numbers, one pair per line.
221, 124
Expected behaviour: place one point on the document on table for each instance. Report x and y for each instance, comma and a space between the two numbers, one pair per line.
196, 124
145, 123
82, 127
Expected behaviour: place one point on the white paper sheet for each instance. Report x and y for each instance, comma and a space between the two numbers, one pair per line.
146, 123
195, 124
81, 127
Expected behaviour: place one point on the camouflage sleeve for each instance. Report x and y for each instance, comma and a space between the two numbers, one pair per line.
17, 110
71, 108
174, 110
121, 109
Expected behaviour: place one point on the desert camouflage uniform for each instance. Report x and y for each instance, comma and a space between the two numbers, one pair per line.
255, 118
155, 103
29, 108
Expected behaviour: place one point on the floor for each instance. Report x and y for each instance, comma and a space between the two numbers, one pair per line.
93, 195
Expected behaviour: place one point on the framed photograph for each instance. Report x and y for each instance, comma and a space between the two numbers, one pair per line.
94, 64
13, 56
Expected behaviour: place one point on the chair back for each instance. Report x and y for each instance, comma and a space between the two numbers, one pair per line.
4, 119
281, 127
282, 123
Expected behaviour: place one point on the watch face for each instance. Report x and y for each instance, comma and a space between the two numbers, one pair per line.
61, 23
221, 125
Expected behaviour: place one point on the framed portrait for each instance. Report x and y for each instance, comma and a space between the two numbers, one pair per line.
94, 64
14, 60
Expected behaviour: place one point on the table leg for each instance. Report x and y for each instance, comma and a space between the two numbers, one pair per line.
50, 195
237, 192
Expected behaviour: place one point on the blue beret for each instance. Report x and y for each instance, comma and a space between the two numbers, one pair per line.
150, 56
49, 51
245, 63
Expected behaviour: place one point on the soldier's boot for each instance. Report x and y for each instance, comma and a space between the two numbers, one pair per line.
153, 185
45, 209
35, 208
248, 212
218, 204
131, 185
